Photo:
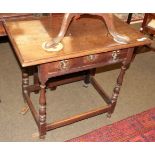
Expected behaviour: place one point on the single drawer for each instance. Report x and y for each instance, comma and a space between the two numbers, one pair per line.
83, 63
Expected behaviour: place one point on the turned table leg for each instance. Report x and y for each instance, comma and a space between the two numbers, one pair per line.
117, 88
25, 83
42, 111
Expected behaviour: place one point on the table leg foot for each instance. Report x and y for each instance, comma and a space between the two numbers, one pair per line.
24, 110
35, 135
108, 115
42, 137
85, 85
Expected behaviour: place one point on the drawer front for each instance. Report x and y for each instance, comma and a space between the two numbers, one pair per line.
84, 63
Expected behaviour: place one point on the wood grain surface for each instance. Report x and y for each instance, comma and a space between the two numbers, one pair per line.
4, 16
85, 36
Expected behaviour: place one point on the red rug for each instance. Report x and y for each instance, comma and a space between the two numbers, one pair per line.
137, 128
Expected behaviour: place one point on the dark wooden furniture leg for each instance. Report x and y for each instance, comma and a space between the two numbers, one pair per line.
129, 18
88, 75
25, 84
145, 28
42, 111
108, 18
145, 20
150, 31
117, 88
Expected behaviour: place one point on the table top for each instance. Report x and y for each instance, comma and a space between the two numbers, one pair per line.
84, 36
13, 15
4, 16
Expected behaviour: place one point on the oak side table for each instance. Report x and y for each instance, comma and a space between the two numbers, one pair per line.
87, 46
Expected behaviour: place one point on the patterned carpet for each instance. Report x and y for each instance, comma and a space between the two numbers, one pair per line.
137, 128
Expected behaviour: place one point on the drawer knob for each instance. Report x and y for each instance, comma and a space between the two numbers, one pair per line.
91, 57
64, 64
115, 55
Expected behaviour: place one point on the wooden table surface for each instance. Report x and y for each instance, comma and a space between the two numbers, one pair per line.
85, 36
4, 16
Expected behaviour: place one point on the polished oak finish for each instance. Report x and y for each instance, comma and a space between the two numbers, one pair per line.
7, 16
94, 39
